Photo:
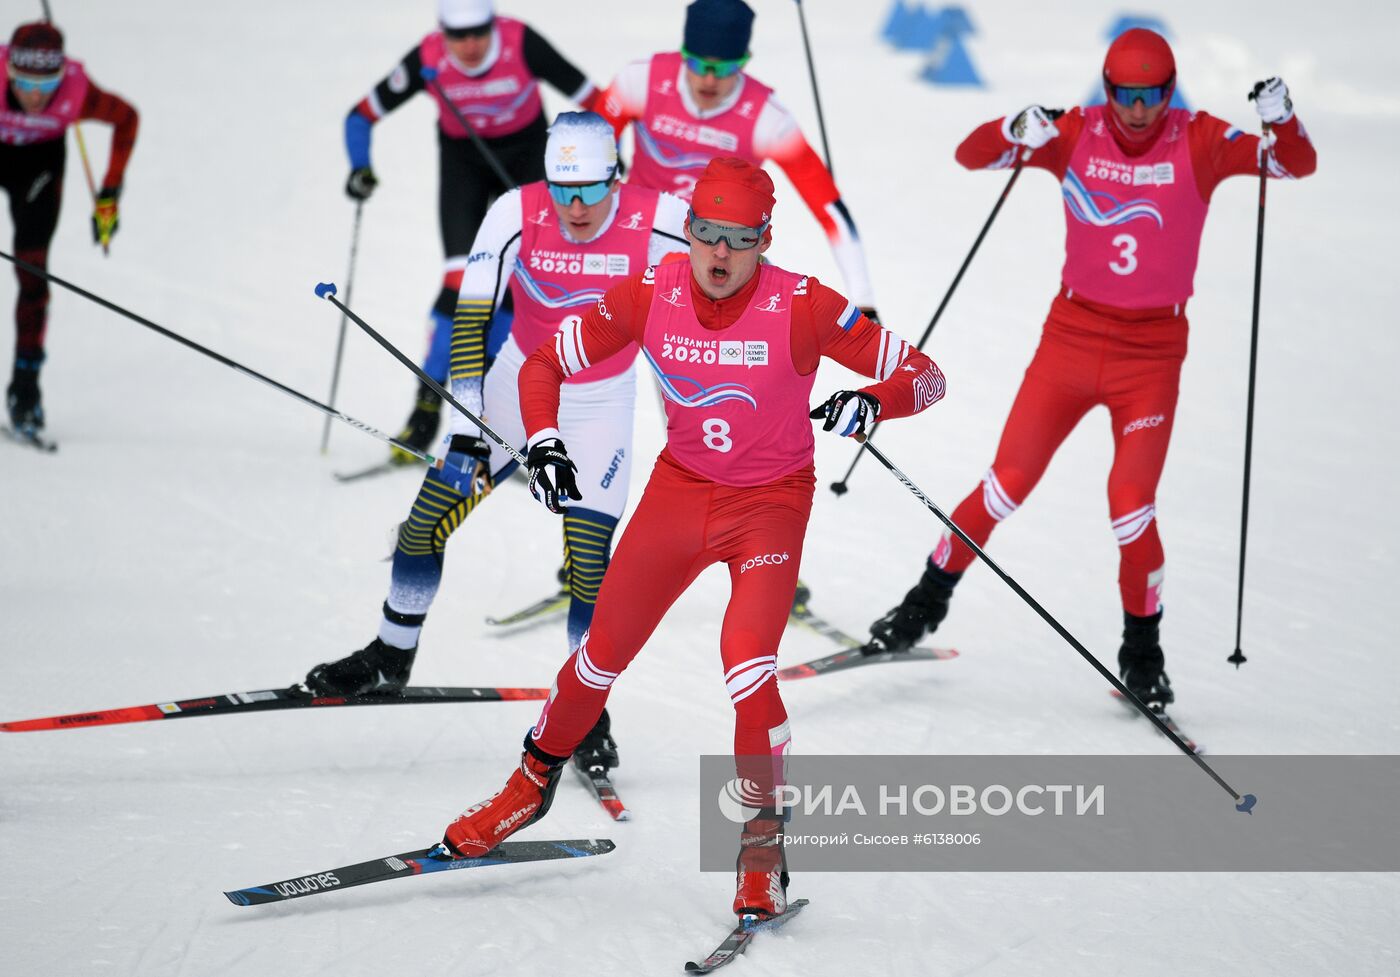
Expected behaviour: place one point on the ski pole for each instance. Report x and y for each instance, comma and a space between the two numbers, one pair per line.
840, 487
1244, 802
1237, 658
218, 357
340, 338
816, 95
326, 290
430, 76
87, 172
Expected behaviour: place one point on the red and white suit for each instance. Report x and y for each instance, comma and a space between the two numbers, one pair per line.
734, 484
1116, 333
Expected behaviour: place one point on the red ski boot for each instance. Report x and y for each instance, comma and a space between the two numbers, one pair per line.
522, 801
762, 879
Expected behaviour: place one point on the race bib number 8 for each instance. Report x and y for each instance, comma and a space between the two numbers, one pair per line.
716, 434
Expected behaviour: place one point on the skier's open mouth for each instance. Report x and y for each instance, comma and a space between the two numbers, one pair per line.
718, 275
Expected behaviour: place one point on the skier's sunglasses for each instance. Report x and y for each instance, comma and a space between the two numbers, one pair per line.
718, 67
462, 33
28, 83
738, 238
590, 193
1150, 96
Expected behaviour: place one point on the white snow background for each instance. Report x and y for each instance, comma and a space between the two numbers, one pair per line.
188, 538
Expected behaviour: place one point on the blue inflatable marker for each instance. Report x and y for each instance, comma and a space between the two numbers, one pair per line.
948, 60
1127, 22
1246, 804
956, 21
324, 289
913, 28
895, 22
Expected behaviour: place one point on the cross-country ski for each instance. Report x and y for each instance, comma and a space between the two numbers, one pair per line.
741, 936
422, 862
263, 700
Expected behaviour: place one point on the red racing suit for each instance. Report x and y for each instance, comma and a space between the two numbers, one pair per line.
686, 521
1133, 219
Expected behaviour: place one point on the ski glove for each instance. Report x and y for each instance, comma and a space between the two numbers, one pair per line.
552, 473
1033, 127
361, 183
467, 468
850, 413
104, 215
1271, 101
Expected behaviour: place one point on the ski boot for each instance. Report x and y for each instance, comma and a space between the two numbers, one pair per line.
377, 668
23, 400
761, 878
524, 799
1140, 662
922, 610
598, 751
420, 431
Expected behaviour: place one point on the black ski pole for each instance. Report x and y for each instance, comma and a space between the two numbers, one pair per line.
218, 357
340, 338
816, 95
430, 76
326, 290
1238, 658
1243, 802
840, 487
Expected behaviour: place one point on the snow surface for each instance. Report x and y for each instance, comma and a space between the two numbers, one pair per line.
188, 538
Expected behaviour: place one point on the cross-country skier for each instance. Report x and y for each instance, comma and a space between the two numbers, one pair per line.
46, 93
1137, 178
692, 105
558, 245
735, 345
489, 67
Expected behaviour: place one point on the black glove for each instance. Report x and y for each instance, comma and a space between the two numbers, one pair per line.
870, 313
552, 473
104, 215
848, 412
361, 183
467, 467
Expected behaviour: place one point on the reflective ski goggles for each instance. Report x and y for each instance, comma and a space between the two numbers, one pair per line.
1150, 96
47, 84
462, 33
718, 67
590, 193
738, 238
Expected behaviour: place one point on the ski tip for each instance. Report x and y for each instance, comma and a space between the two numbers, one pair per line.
1246, 804
238, 898
325, 289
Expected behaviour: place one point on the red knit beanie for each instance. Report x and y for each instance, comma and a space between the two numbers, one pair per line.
734, 190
